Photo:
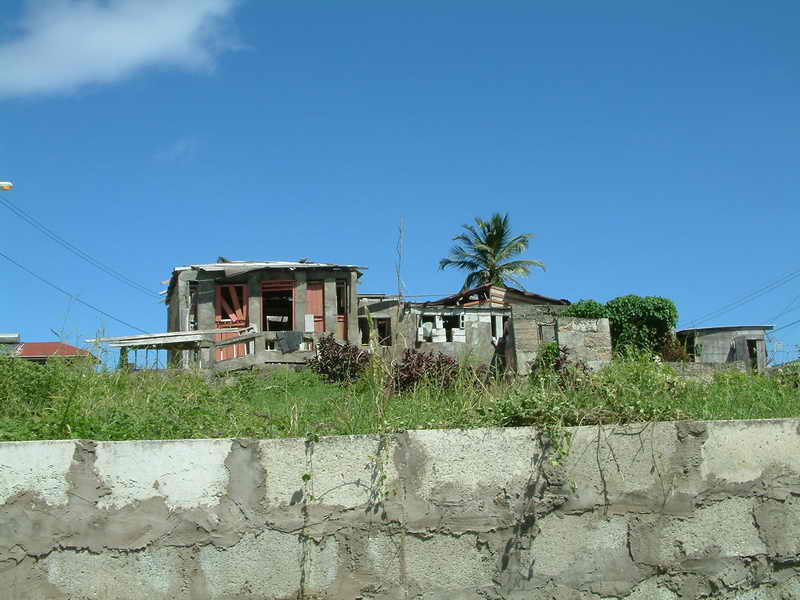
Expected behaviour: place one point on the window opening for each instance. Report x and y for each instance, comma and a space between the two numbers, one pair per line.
193, 325
278, 309
382, 327
752, 352
547, 333
231, 312
341, 297
453, 325
363, 330
231, 307
427, 323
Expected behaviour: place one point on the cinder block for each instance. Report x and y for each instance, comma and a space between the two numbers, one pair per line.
584, 551
725, 530
741, 451
779, 525
445, 562
149, 574
346, 471
636, 463
186, 473
458, 465
270, 566
652, 589
383, 559
38, 467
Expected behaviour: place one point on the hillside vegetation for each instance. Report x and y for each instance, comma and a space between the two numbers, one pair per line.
68, 400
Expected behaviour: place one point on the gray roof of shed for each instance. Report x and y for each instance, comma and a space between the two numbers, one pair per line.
723, 328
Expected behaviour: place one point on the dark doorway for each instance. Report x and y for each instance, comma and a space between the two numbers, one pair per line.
278, 309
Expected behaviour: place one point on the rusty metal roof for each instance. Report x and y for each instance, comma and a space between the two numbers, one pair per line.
450, 300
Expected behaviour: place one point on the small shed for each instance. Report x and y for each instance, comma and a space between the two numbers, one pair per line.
740, 343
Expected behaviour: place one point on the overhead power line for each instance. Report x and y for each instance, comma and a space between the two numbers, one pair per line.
782, 327
35, 223
765, 289
787, 309
72, 296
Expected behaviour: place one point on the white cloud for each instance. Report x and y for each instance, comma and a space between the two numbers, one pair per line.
180, 150
66, 44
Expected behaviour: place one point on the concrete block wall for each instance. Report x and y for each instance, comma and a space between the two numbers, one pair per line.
704, 372
587, 340
667, 511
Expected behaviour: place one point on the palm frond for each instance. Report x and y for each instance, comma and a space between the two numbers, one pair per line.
522, 266
481, 249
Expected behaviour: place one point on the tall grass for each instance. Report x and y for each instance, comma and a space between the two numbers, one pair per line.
75, 400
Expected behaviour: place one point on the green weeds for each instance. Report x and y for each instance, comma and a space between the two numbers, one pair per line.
74, 400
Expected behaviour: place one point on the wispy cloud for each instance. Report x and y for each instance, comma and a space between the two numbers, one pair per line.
180, 150
67, 44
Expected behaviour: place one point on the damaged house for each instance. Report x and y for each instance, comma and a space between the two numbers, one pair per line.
490, 325
742, 345
237, 314
233, 315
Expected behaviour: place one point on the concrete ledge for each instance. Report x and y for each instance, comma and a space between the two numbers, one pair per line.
664, 511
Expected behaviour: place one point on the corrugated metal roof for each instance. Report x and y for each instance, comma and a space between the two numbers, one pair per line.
724, 327
269, 264
9, 338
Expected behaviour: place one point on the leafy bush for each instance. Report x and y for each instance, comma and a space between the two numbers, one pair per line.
586, 309
432, 367
641, 323
638, 323
338, 362
26, 381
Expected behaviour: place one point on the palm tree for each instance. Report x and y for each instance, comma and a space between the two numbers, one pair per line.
484, 250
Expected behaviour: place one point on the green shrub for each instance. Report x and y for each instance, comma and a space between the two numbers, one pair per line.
641, 323
638, 323
586, 309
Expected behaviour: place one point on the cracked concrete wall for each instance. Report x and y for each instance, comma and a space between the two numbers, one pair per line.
663, 511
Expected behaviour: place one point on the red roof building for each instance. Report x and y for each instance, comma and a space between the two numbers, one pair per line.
42, 351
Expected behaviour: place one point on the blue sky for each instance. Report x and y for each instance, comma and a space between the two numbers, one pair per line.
651, 148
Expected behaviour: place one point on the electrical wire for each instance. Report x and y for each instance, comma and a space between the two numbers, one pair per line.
74, 249
71, 296
782, 327
765, 289
786, 310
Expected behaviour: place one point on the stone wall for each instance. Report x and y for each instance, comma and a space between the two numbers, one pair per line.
588, 340
704, 372
674, 510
